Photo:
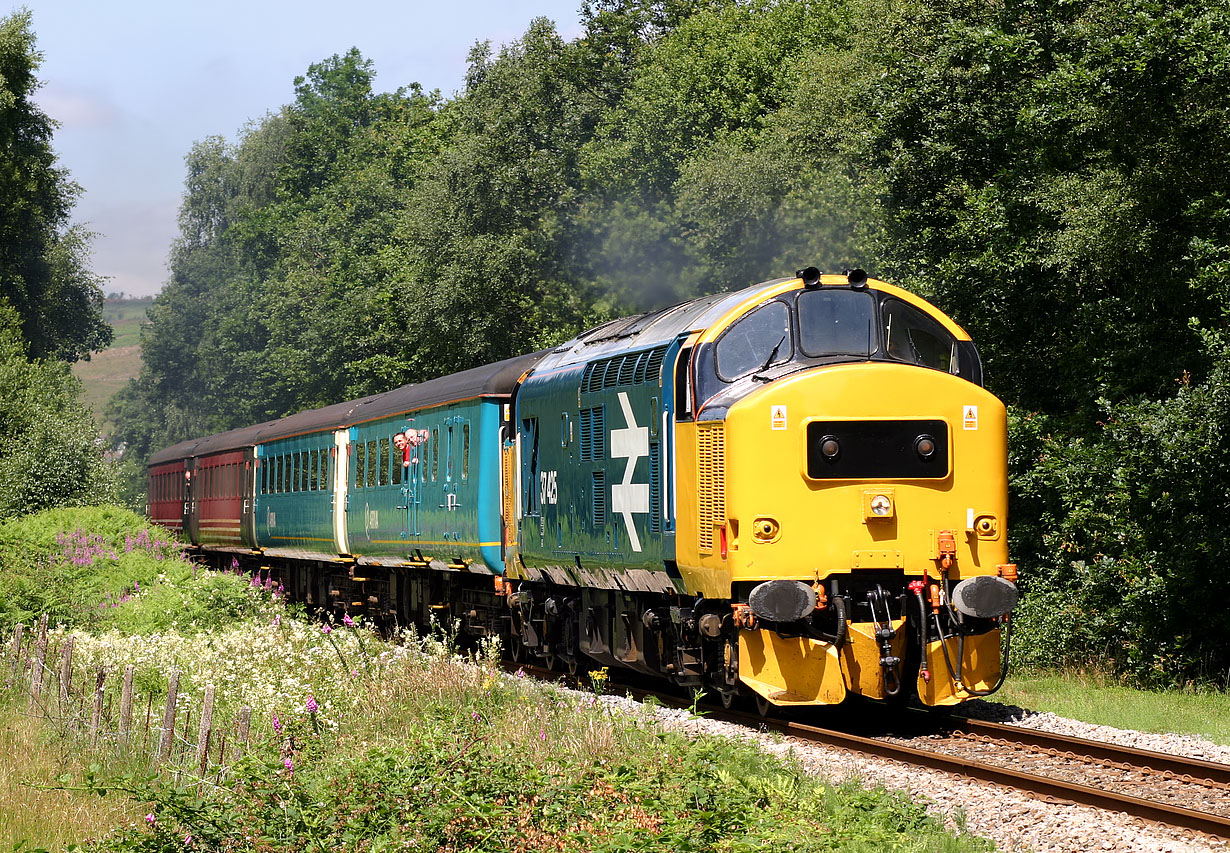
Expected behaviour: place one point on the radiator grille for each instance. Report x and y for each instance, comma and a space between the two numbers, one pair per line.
711, 481
597, 485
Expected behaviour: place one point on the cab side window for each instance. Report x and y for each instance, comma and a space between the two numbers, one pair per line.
758, 340
913, 337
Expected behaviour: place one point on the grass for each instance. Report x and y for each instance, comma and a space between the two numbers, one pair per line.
1098, 699
126, 317
108, 371
30, 758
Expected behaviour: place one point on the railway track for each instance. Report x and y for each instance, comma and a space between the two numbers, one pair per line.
1182, 793
1174, 791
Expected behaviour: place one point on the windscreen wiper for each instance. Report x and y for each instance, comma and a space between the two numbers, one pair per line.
768, 362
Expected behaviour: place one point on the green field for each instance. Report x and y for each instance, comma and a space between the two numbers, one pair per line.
108, 371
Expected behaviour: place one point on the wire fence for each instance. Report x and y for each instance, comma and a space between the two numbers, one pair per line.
106, 708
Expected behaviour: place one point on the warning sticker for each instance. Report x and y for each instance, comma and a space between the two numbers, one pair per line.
777, 417
970, 417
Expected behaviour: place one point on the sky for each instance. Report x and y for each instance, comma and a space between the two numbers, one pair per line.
134, 83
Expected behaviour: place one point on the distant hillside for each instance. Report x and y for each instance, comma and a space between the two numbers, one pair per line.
107, 371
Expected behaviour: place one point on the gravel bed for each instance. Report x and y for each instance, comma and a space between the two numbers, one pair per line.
1014, 820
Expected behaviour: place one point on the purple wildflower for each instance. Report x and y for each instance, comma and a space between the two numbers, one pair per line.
277, 724
310, 706
477, 717
326, 628
150, 819
347, 621
289, 765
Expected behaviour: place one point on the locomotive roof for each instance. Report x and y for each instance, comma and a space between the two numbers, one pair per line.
489, 380
651, 328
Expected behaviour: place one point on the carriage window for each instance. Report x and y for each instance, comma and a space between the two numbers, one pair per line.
448, 456
435, 453
465, 452
303, 471
913, 337
384, 462
373, 464
360, 465
836, 322
324, 469
758, 340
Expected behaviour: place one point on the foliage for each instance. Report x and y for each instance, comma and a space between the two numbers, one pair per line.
50, 451
1124, 540
44, 271
50, 564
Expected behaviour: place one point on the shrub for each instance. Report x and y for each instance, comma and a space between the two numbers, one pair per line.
1123, 537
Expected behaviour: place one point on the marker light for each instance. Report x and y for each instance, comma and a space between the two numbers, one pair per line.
830, 448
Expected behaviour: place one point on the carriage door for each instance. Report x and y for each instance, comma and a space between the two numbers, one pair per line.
247, 513
412, 483
190, 473
454, 427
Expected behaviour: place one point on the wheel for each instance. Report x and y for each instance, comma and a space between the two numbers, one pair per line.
727, 697
572, 665
763, 706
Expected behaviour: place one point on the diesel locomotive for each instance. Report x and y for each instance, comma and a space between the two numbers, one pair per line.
793, 492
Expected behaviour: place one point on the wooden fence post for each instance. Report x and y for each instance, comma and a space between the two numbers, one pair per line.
39, 663
202, 740
243, 724
126, 705
96, 719
168, 717
66, 671
15, 669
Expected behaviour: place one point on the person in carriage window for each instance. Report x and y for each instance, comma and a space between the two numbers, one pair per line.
402, 443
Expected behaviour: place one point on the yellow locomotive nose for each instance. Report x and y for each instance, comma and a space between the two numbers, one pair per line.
856, 479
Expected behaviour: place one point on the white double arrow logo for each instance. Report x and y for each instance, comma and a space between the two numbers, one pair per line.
631, 443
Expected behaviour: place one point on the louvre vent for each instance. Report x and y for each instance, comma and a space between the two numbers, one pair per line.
653, 368
655, 487
593, 434
634, 368
711, 486
627, 369
611, 374
597, 483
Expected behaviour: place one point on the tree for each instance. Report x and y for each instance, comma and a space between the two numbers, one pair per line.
44, 270
50, 451
1058, 167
